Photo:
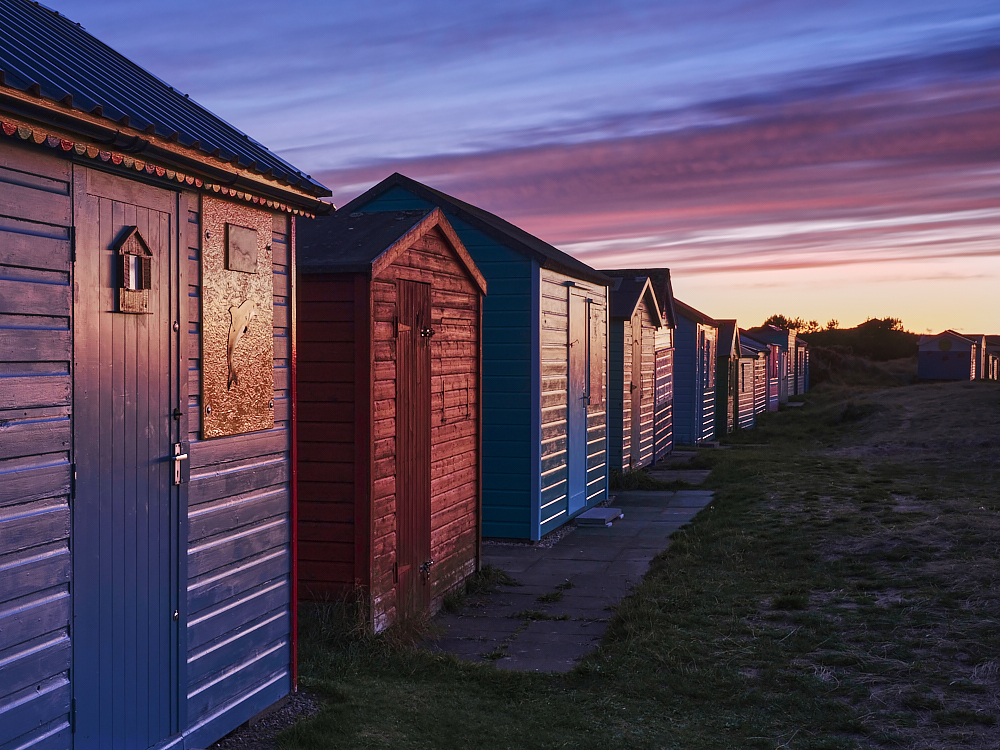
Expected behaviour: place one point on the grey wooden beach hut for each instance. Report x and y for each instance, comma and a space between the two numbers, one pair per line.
146, 411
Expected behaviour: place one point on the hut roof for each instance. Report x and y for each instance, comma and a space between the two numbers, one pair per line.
626, 294
366, 243
664, 290
729, 338
749, 345
770, 334
689, 312
53, 60
949, 333
501, 230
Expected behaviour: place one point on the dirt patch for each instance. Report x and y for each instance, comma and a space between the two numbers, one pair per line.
261, 733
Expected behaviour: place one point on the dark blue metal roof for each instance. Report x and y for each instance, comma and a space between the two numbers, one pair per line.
47, 55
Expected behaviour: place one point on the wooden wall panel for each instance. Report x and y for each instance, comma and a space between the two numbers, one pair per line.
554, 358
35, 444
239, 515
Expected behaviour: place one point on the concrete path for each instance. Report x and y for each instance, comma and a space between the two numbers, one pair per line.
561, 609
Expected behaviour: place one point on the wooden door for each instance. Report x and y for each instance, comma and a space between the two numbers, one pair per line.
126, 524
663, 403
413, 446
635, 404
576, 395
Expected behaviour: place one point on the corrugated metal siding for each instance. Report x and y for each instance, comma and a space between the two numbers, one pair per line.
239, 556
35, 413
508, 370
554, 322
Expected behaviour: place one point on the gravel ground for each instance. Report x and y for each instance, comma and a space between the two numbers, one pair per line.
260, 734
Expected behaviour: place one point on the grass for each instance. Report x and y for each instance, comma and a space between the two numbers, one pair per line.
843, 592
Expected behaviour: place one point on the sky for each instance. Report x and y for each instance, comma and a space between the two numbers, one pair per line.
835, 160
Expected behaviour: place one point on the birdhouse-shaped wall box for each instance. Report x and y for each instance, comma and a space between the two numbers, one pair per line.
135, 272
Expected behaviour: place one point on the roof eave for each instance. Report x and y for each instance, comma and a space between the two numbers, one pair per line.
174, 156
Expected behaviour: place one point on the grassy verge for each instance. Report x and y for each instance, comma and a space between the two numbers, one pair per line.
843, 591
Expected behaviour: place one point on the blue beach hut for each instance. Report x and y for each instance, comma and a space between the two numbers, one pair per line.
695, 343
544, 386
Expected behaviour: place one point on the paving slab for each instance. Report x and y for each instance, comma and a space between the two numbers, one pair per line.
602, 564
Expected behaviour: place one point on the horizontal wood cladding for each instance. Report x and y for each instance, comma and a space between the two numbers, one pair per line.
239, 536
326, 369
554, 363
36, 307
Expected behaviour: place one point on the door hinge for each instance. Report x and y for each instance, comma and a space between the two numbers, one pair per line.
72, 480
72, 244
72, 716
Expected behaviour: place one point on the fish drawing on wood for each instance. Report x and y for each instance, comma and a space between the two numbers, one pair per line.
241, 317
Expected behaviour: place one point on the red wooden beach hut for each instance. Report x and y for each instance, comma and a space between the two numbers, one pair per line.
390, 308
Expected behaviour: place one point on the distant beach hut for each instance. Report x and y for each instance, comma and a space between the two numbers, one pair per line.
784, 339
695, 341
146, 406
389, 313
545, 325
727, 378
634, 322
801, 366
946, 356
663, 406
753, 380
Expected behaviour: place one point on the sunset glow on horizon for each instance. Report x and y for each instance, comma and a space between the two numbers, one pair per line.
823, 161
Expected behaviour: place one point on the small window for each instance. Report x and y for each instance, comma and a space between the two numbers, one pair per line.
135, 272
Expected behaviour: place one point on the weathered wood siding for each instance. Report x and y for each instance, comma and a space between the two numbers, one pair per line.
747, 388
694, 382
760, 385
555, 289
330, 323
239, 533
36, 307
510, 367
663, 423
454, 430
620, 391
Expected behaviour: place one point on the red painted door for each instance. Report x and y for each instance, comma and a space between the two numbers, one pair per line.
413, 446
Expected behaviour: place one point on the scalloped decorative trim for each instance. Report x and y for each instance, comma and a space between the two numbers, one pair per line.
42, 137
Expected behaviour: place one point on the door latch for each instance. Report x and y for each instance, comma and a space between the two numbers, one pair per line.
427, 332
425, 570
182, 467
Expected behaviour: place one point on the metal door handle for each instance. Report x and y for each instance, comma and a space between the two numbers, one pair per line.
179, 457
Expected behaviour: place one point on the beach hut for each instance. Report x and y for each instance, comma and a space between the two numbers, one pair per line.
727, 378
801, 366
634, 322
695, 341
753, 380
946, 356
389, 311
663, 353
772, 364
146, 418
545, 324
784, 339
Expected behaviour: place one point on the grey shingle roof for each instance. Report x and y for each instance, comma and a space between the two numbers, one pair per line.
348, 243
47, 55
